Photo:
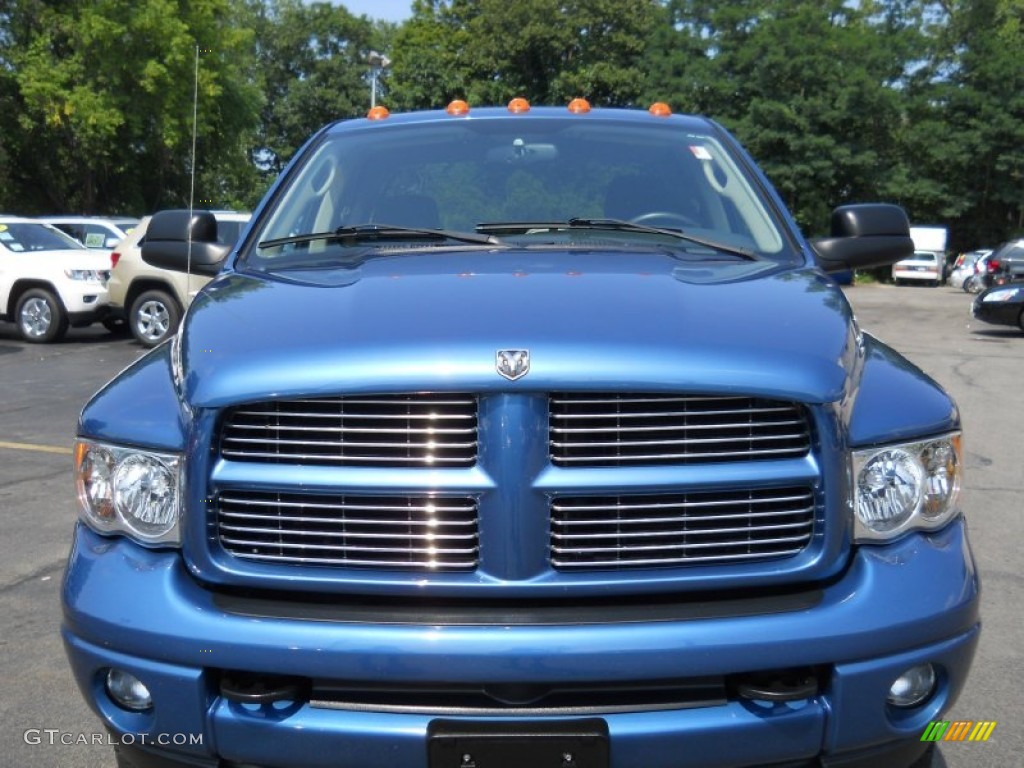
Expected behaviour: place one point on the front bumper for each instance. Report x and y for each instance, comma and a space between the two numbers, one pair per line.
997, 312
922, 275
82, 319
911, 602
85, 304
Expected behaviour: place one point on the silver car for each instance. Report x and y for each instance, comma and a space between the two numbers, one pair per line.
967, 267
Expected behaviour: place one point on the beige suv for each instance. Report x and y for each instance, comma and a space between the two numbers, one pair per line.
150, 299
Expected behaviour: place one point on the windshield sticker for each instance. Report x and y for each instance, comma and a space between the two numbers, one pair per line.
3, 227
700, 152
94, 240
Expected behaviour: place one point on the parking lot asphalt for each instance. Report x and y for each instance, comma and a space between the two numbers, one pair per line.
42, 389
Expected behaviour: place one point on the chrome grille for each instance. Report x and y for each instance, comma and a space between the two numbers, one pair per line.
409, 532
417, 430
605, 430
679, 529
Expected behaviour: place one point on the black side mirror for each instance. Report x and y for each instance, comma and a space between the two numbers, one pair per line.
184, 241
866, 235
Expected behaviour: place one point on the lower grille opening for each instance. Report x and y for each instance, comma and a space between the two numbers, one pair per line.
276, 693
779, 685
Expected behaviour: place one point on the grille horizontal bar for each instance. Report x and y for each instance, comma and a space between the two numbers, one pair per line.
521, 699
406, 532
608, 429
415, 430
697, 528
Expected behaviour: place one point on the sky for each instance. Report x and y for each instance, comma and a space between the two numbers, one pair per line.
386, 10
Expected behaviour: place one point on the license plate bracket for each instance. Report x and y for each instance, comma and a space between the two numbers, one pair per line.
579, 743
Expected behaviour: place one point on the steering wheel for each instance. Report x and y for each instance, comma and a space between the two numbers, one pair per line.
669, 219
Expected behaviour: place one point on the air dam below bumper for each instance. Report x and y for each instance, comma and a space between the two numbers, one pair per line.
911, 602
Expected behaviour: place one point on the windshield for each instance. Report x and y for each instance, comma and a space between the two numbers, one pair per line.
517, 180
32, 236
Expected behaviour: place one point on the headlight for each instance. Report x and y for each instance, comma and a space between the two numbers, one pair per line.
125, 490
84, 274
910, 486
995, 296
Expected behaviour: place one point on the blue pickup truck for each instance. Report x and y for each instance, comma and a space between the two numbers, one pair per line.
521, 436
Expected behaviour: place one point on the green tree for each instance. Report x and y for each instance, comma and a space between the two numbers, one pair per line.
916, 101
928, 143
806, 86
962, 126
313, 69
548, 51
430, 58
105, 103
986, 106
8, 108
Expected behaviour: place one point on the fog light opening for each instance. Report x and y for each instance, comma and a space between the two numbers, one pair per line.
127, 691
913, 687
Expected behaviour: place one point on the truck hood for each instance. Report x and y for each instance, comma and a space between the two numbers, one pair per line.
436, 320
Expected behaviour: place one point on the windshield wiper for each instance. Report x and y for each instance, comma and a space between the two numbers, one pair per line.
615, 225
363, 233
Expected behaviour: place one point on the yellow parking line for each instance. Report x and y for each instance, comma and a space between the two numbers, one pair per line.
35, 447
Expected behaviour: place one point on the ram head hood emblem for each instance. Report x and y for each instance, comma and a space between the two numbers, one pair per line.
513, 363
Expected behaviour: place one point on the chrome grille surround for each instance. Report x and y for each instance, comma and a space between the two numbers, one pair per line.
421, 532
612, 429
680, 529
409, 430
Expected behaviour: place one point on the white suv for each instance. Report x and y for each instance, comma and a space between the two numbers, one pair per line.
49, 281
153, 300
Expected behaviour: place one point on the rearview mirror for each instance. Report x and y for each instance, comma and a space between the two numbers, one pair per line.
520, 152
184, 241
866, 235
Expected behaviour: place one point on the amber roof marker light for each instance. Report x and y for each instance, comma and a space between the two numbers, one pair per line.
457, 107
377, 113
660, 109
518, 106
579, 106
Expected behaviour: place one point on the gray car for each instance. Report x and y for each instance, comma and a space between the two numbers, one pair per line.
967, 267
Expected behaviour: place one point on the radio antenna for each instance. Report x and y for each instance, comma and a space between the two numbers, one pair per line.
192, 169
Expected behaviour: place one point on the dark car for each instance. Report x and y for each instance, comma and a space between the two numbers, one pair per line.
1003, 265
1001, 305
1006, 264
